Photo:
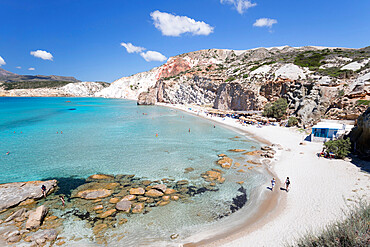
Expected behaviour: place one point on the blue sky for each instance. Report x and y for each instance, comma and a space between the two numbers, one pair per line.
84, 36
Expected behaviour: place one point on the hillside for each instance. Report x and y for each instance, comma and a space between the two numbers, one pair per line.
316, 81
12, 84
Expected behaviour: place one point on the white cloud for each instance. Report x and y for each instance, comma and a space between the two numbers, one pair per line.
31, 68
265, 22
131, 48
2, 61
240, 5
153, 56
174, 25
18, 67
42, 54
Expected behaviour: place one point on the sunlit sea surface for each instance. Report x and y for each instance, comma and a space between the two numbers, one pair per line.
72, 138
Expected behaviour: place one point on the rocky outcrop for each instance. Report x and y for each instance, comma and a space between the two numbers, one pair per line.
360, 135
13, 194
234, 96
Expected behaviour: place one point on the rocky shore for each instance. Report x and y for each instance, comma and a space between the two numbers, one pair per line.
104, 202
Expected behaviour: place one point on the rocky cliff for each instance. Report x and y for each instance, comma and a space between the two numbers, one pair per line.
316, 81
360, 135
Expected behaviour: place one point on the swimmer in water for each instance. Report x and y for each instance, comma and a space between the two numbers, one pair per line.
156, 135
189, 130
7, 153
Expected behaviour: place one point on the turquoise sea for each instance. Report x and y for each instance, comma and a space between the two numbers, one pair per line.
71, 138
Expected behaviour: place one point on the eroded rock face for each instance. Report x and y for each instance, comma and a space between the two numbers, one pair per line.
234, 96
36, 217
12, 194
360, 135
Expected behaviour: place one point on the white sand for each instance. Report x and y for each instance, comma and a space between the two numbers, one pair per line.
320, 189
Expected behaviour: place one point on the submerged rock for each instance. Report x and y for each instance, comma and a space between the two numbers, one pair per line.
137, 191
12, 194
237, 150
138, 208
100, 177
94, 194
107, 213
153, 193
160, 187
124, 205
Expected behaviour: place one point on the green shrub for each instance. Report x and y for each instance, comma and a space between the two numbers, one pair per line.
276, 109
292, 121
231, 78
353, 231
336, 72
245, 76
363, 102
255, 67
339, 147
311, 61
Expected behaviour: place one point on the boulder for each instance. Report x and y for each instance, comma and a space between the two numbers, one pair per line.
153, 193
124, 205
12, 194
169, 191
160, 187
94, 194
114, 200
98, 207
129, 197
36, 217
137, 191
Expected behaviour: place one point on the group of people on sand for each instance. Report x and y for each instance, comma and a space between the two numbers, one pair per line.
287, 183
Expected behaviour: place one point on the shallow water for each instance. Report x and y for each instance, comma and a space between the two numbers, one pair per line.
114, 136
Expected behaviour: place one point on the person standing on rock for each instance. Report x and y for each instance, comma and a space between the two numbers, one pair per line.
287, 183
43, 188
272, 184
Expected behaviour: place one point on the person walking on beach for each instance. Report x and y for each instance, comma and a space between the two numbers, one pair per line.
62, 199
43, 188
272, 184
287, 183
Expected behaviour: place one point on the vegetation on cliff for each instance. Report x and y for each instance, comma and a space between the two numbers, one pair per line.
277, 109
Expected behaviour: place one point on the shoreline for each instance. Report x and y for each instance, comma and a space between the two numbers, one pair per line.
264, 204
321, 190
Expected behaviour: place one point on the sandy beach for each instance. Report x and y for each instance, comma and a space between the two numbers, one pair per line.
321, 189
